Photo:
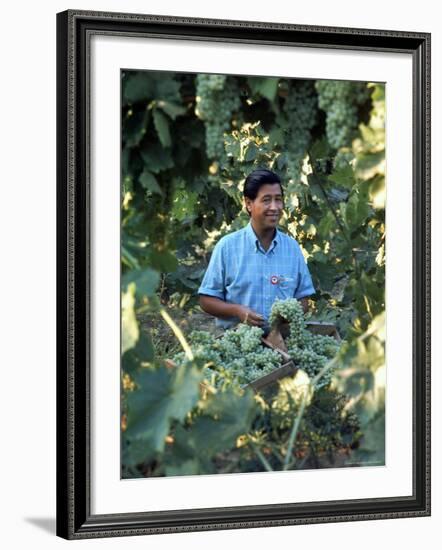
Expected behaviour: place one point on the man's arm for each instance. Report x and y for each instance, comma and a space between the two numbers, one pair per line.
220, 308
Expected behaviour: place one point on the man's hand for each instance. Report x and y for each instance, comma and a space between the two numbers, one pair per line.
224, 310
249, 317
304, 304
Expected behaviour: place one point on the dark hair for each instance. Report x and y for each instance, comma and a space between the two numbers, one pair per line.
257, 179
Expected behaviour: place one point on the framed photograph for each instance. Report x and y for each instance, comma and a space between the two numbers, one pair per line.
243, 274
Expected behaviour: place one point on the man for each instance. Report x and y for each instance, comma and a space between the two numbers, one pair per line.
250, 268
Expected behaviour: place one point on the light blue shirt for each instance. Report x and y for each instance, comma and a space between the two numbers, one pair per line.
240, 271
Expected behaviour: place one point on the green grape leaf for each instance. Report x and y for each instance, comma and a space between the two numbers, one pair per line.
267, 87
128, 259
378, 92
325, 274
276, 137
149, 182
226, 416
320, 149
171, 109
370, 164
251, 152
125, 162
162, 127
357, 208
134, 127
156, 158
184, 203
136, 451
164, 261
344, 177
163, 394
186, 468
232, 147
182, 458
327, 223
141, 353
145, 281
138, 86
167, 88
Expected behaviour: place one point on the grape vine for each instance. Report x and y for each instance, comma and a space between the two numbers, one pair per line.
300, 108
217, 97
341, 100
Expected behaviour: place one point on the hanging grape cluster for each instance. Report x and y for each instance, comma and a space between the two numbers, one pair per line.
300, 108
217, 97
341, 100
310, 352
237, 357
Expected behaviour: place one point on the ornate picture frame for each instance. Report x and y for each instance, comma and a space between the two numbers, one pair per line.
76, 518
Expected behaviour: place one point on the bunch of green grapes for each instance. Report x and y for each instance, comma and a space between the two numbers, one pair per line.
324, 345
310, 352
312, 363
217, 97
340, 100
291, 311
301, 109
237, 357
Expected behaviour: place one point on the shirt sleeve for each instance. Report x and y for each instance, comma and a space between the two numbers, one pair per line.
213, 283
305, 285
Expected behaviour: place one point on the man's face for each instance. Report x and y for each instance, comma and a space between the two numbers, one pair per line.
266, 209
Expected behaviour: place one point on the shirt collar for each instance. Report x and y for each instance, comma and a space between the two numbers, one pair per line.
254, 241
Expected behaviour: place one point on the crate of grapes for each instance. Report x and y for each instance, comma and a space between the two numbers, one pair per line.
258, 357
276, 341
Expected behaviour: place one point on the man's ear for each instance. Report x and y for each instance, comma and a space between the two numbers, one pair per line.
247, 204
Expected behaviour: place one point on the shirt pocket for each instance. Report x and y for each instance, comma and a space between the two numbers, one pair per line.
287, 286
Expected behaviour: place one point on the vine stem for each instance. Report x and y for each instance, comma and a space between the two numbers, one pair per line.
178, 333
296, 423
262, 458
294, 431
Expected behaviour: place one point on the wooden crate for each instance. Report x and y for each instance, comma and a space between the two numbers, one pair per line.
318, 327
326, 329
288, 369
